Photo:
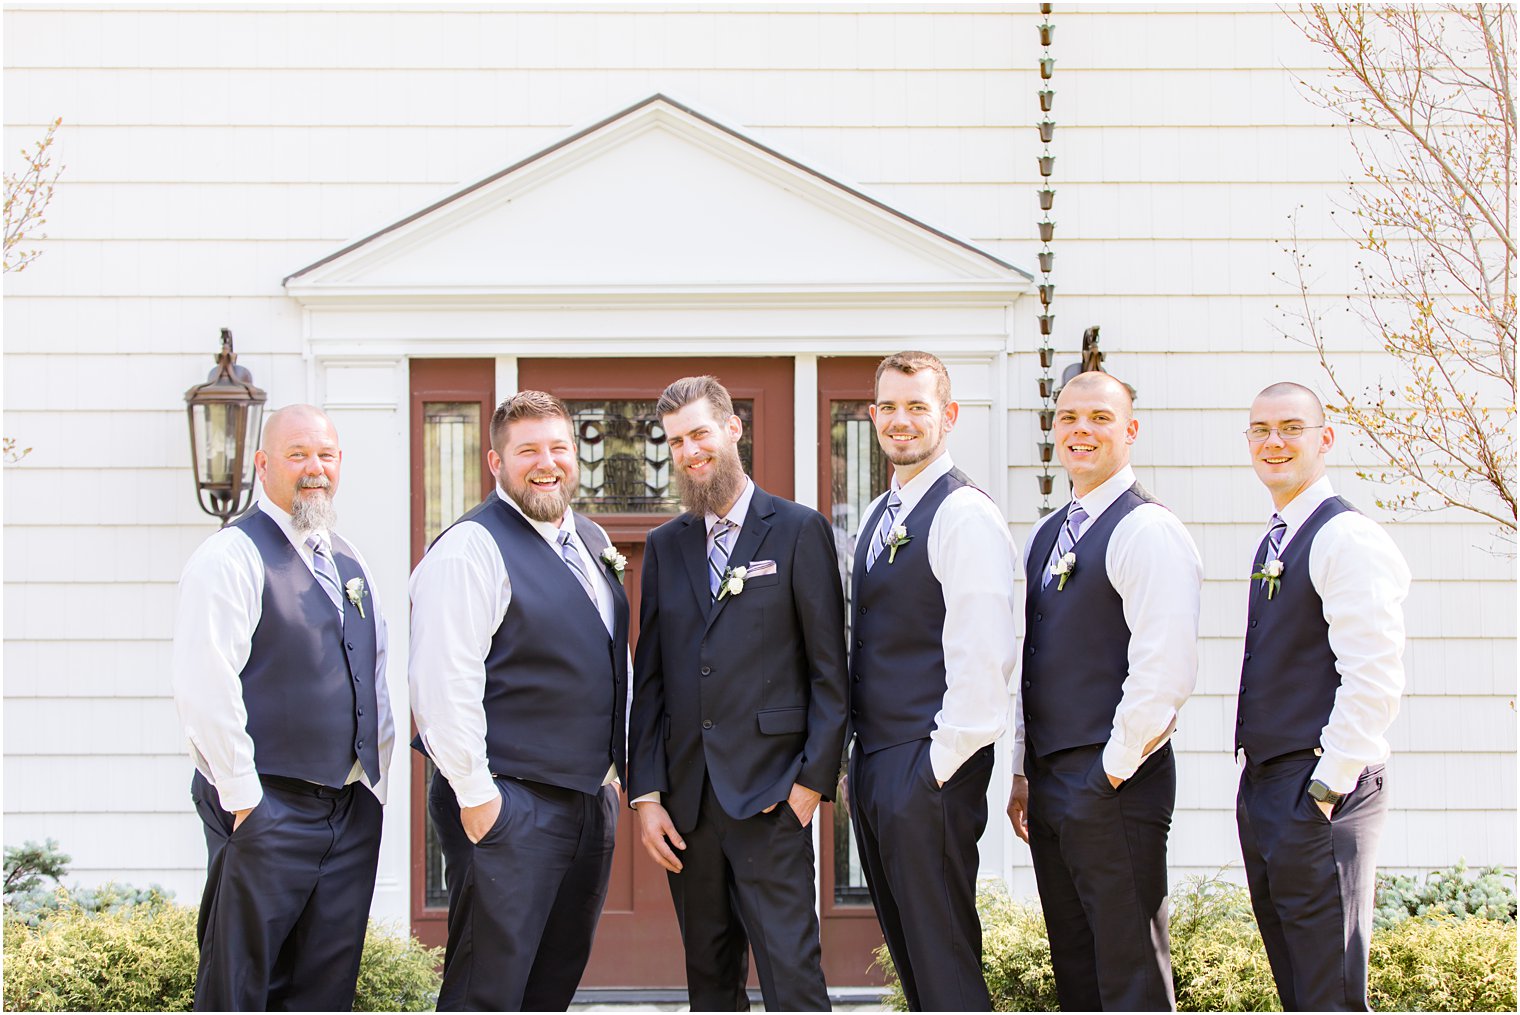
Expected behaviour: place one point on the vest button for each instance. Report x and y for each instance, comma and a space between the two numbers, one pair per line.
1253, 623
862, 611
707, 724
859, 643
855, 712
1248, 655
1028, 685
1240, 722
350, 646
360, 745
1039, 616
706, 670
361, 711
857, 678
1031, 650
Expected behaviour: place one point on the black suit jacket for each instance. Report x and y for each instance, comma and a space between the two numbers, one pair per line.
750, 690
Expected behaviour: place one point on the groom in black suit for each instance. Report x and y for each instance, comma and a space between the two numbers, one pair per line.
738, 718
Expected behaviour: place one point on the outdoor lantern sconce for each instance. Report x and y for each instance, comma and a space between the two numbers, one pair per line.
225, 414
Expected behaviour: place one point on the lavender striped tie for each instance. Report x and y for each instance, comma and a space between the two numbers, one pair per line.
327, 571
1274, 538
1071, 531
884, 530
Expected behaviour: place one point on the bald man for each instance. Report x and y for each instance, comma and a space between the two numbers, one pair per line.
1110, 655
1319, 687
279, 676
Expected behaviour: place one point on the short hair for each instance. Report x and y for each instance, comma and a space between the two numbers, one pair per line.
679, 394
911, 362
1293, 388
526, 405
1098, 379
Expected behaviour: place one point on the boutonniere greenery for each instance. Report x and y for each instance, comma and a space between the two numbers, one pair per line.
356, 593
615, 562
1062, 568
896, 539
733, 581
1271, 575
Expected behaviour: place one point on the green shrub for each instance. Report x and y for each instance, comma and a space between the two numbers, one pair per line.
1437, 963
1429, 963
144, 958
1218, 960
1490, 895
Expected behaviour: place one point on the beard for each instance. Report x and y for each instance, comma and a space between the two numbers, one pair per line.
312, 512
542, 505
923, 452
714, 494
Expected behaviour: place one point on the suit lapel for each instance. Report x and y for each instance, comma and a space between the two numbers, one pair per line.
756, 527
693, 540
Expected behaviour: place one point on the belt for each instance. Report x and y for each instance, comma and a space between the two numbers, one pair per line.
290, 785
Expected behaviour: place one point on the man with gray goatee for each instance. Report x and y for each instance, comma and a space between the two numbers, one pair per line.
279, 676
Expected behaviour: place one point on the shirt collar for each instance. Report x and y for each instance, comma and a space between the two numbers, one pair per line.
1111, 489
739, 512
548, 530
287, 524
1298, 510
911, 492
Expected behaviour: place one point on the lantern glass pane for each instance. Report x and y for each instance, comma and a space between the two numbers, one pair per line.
216, 434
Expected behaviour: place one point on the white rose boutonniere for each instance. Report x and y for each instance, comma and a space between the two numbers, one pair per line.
356, 593
615, 562
1063, 568
1271, 575
733, 581
896, 539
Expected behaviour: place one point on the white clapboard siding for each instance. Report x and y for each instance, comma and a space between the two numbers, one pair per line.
211, 152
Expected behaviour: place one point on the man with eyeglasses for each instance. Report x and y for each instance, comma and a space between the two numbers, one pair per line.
1319, 687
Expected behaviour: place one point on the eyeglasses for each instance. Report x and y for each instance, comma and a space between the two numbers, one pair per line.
1288, 431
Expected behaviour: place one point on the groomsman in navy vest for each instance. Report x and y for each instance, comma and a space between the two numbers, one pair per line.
519, 676
1319, 687
738, 712
1110, 655
279, 676
935, 629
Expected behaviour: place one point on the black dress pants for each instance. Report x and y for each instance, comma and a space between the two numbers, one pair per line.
287, 897
1312, 881
918, 847
749, 878
525, 900
1100, 865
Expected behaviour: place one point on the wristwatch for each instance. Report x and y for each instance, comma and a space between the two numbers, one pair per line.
1321, 793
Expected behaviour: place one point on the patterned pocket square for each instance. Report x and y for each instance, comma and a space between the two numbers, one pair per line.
756, 568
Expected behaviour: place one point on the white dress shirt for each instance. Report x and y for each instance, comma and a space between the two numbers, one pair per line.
1363, 580
736, 514
460, 593
1154, 566
973, 555
221, 598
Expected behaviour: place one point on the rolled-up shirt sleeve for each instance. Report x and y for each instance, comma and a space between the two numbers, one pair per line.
1363, 581
1154, 566
220, 603
973, 555
459, 593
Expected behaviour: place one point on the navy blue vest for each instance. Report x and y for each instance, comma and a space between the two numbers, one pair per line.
555, 681
1076, 641
309, 684
1288, 679
897, 668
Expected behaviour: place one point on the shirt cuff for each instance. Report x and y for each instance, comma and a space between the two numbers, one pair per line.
1121, 760
944, 761
240, 793
647, 798
474, 789
1340, 774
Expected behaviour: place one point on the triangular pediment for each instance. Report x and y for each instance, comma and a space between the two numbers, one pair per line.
656, 197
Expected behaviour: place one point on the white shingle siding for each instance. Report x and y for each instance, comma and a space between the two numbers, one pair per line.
210, 153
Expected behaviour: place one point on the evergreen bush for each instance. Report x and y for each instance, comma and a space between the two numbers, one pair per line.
1432, 962
1450, 892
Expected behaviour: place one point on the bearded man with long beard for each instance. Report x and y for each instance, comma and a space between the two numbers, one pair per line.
279, 677
738, 715
519, 674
